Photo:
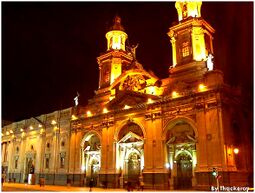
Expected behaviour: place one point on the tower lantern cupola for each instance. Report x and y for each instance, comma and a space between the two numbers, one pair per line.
188, 9
116, 37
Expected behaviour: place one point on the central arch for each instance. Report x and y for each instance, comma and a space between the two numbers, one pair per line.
130, 153
180, 136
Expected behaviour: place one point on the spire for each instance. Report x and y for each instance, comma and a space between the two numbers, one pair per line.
117, 24
187, 9
116, 36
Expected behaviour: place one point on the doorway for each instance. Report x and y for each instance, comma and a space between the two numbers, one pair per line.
134, 165
184, 171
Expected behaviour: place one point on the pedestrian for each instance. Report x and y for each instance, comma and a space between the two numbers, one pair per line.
91, 184
2, 182
141, 185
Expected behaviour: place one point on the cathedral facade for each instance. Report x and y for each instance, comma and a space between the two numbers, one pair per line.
169, 133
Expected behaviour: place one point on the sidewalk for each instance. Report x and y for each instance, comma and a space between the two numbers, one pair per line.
18, 187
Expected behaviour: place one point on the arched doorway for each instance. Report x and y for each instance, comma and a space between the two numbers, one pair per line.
181, 154
130, 156
184, 171
91, 158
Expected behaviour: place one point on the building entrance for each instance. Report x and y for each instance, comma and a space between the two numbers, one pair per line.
184, 171
130, 157
134, 167
181, 155
91, 157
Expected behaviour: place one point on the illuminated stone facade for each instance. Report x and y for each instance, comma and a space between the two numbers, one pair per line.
169, 133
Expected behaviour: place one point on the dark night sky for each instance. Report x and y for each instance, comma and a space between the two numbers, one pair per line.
49, 50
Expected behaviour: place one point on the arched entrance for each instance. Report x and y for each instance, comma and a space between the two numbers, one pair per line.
130, 156
29, 175
184, 171
181, 154
91, 158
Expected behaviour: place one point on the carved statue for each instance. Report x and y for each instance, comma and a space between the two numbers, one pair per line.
133, 50
209, 62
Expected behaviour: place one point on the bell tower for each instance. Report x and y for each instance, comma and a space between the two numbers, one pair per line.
116, 58
191, 41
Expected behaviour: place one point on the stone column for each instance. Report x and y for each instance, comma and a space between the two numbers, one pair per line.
173, 40
194, 163
171, 162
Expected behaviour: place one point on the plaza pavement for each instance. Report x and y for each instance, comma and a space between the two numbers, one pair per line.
18, 187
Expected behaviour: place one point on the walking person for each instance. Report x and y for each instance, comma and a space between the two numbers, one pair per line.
2, 181
91, 183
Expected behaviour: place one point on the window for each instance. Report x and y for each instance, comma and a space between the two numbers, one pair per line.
47, 163
107, 76
62, 143
48, 145
32, 147
16, 163
62, 162
185, 49
17, 149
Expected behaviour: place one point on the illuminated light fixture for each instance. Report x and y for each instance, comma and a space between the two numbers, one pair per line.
151, 90
149, 101
111, 97
83, 168
13, 136
127, 107
236, 150
31, 127
7, 133
105, 110
41, 131
167, 165
89, 114
2, 134
21, 130
23, 134
55, 128
11, 131
53, 122
175, 94
74, 117
39, 125
202, 88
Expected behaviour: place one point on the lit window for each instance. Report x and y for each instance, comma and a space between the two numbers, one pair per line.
185, 49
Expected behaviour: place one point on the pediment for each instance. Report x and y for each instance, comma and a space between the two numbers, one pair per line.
141, 73
131, 137
128, 98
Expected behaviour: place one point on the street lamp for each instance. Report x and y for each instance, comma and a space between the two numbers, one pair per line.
236, 150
